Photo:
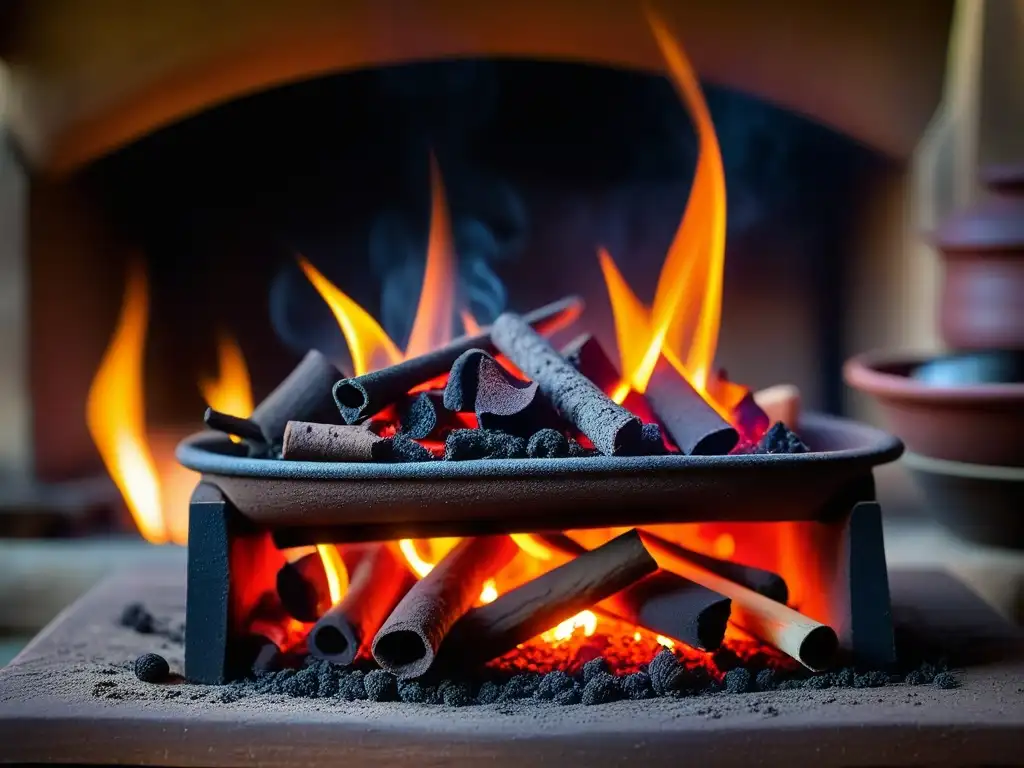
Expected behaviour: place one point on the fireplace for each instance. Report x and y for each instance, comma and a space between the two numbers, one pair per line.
446, 502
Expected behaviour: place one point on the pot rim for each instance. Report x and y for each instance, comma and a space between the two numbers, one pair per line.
879, 373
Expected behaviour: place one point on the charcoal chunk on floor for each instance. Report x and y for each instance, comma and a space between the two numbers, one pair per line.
554, 683
637, 686
569, 696
739, 680
548, 444
765, 680
602, 688
651, 440
468, 444
405, 449
152, 668
577, 451
135, 616
456, 695
380, 685
412, 693
593, 668
780, 439
946, 681
489, 692
667, 674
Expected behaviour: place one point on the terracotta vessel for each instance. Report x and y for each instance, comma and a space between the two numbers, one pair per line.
982, 301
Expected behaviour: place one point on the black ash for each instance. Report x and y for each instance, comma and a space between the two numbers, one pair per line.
467, 444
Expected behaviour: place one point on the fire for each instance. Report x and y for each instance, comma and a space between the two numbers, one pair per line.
334, 568
584, 620
115, 413
682, 324
231, 391
490, 592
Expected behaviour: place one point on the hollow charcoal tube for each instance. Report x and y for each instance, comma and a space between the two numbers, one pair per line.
304, 395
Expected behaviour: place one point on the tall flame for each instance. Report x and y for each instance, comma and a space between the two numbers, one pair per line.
231, 391
334, 569
683, 322
115, 412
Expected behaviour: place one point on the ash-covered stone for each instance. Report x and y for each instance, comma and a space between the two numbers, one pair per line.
135, 616
152, 668
577, 451
569, 697
765, 680
467, 444
552, 684
412, 692
548, 444
739, 680
780, 439
522, 686
637, 686
403, 448
594, 667
875, 679
602, 688
489, 692
381, 685
457, 695
651, 440
946, 681
667, 674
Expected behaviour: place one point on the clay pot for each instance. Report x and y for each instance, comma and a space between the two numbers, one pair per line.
982, 301
974, 424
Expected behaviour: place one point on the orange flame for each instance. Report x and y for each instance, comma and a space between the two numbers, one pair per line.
231, 391
115, 413
334, 569
469, 324
683, 322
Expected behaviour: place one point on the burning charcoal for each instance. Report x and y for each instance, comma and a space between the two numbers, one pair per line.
489, 692
377, 581
586, 355
602, 688
654, 445
152, 668
554, 683
381, 686
419, 417
569, 697
739, 680
468, 444
411, 636
363, 396
945, 681
594, 667
548, 444
637, 686
765, 680
304, 441
456, 695
302, 587
693, 425
305, 395
524, 612
780, 439
748, 416
611, 428
135, 616
478, 383
577, 451
246, 429
667, 674
405, 449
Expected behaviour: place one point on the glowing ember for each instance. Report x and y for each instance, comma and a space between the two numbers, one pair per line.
115, 413
490, 592
584, 620
334, 568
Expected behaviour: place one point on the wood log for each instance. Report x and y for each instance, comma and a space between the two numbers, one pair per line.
304, 395
360, 397
528, 610
691, 422
377, 581
409, 639
611, 428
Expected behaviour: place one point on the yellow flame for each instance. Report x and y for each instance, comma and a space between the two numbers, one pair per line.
490, 592
584, 620
368, 344
662, 640
115, 412
531, 546
419, 566
334, 568
231, 391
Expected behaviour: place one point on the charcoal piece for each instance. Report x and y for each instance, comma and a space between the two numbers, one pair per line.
739, 680
304, 441
780, 439
552, 684
489, 631
595, 667
873, 679
402, 448
601, 689
667, 674
586, 355
381, 685
419, 417
521, 686
763, 582
456, 695
361, 397
569, 697
152, 668
135, 616
654, 444
611, 428
489, 692
468, 444
377, 581
304, 395
694, 426
818, 682
915, 677
411, 636
245, 429
547, 444
945, 681
748, 416
577, 451
302, 588
843, 677
412, 692
637, 686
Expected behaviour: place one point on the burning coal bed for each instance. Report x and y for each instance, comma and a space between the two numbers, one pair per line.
557, 617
